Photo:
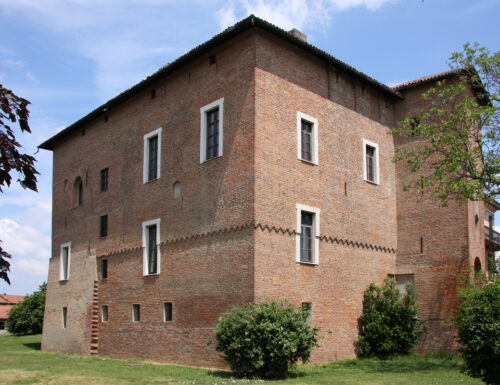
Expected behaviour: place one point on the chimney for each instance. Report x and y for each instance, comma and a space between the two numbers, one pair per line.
299, 35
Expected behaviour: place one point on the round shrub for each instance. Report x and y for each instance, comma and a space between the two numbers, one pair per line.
478, 324
265, 340
26, 317
389, 323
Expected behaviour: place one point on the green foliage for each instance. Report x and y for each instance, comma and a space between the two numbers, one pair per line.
26, 317
478, 323
454, 152
389, 323
265, 340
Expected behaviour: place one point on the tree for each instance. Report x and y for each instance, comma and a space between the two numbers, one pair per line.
13, 110
265, 340
389, 324
478, 324
458, 154
26, 317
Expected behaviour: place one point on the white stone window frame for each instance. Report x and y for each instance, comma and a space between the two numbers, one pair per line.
145, 226
219, 103
374, 145
145, 172
104, 312
314, 142
316, 232
61, 272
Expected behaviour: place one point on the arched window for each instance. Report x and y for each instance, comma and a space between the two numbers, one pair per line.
477, 267
77, 192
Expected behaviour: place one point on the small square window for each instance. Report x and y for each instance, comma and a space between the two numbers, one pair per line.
167, 311
103, 226
136, 313
104, 313
104, 268
307, 310
104, 179
64, 317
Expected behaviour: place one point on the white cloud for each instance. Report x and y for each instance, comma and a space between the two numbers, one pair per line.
289, 14
24, 242
31, 77
13, 63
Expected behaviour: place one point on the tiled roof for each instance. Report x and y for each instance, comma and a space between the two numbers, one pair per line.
10, 299
426, 79
4, 311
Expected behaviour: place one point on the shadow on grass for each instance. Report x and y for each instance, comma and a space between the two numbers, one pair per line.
230, 375
34, 345
403, 364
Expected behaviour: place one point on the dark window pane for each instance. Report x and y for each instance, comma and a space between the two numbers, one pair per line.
104, 179
306, 140
136, 312
370, 163
306, 237
104, 265
64, 316
153, 158
212, 133
167, 310
104, 225
152, 250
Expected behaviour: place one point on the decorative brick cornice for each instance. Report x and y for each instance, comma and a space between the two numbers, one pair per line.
263, 227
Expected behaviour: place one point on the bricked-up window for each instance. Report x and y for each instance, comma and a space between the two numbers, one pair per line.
211, 130
167, 311
151, 246
307, 309
104, 313
64, 317
136, 312
64, 261
104, 179
307, 138
370, 162
103, 224
104, 268
77, 192
152, 155
307, 234
402, 280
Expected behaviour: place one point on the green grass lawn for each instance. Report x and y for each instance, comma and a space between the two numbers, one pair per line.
22, 362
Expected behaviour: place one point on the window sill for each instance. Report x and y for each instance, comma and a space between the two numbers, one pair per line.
150, 181
61, 281
372, 182
151, 275
208, 160
308, 162
307, 263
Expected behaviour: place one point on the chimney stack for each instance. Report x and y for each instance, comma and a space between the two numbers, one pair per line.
299, 35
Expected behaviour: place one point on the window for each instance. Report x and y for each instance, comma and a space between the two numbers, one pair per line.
77, 192
136, 312
370, 162
307, 309
307, 138
104, 313
177, 190
401, 281
104, 268
64, 316
65, 261
307, 234
167, 311
104, 179
152, 155
103, 222
211, 130
151, 246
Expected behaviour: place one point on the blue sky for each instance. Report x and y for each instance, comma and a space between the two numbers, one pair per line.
69, 56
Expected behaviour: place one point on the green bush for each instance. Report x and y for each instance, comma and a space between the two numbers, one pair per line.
389, 323
26, 317
265, 340
478, 323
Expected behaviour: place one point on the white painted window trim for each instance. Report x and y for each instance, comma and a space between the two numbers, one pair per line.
145, 225
314, 210
61, 273
203, 128
314, 142
165, 313
377, 168
145, 168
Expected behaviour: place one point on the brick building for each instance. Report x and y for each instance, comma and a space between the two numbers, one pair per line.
254, 167
7, 302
